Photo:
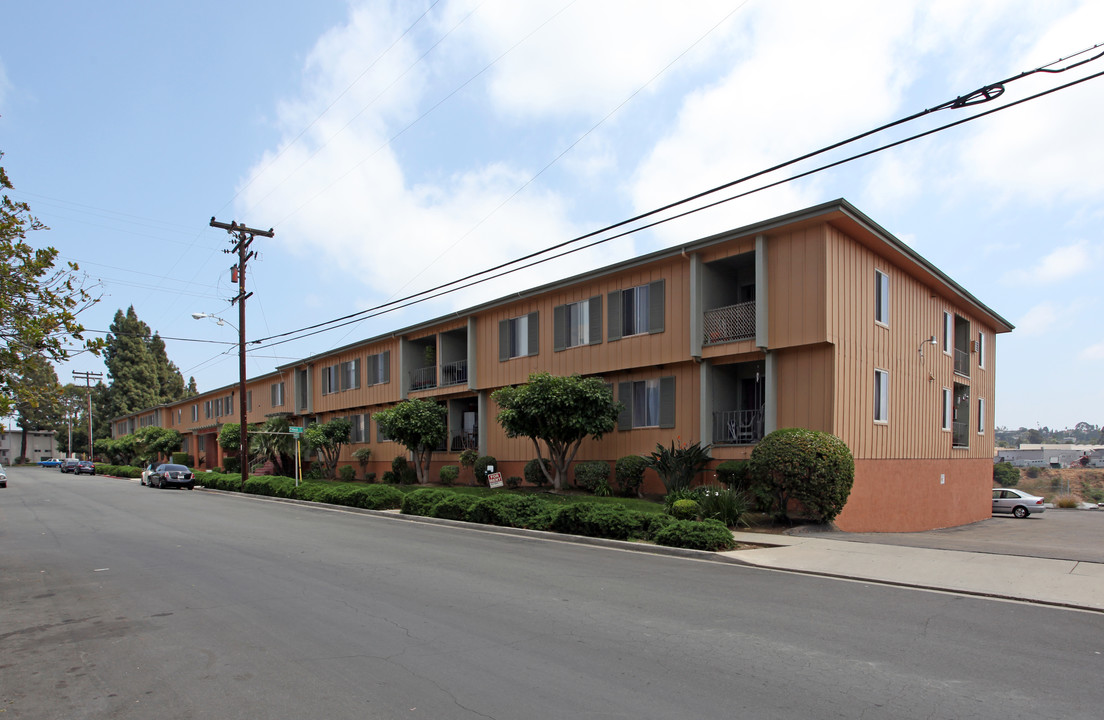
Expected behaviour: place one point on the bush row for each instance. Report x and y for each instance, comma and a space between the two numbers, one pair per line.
590, 519
372, 497
127, 471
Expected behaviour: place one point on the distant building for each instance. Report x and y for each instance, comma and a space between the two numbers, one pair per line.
40, 445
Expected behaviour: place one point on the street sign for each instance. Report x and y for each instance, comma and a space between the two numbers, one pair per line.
494, 479
295, 429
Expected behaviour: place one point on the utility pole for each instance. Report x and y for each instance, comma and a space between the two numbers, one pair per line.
87, 377
242, 239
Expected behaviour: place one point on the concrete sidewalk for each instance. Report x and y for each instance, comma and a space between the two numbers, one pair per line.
1064, 583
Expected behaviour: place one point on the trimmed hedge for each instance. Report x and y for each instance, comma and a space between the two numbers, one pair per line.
696, 535
454, 507
127, 471
591, 474
814, 468
629, 472
508, 510
533, 473
422, 500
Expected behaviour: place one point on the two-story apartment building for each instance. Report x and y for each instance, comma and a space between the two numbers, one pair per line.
818, 319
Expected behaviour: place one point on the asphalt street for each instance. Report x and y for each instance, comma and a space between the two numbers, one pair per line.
120, 601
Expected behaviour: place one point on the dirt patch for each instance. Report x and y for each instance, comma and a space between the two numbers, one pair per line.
1085, 484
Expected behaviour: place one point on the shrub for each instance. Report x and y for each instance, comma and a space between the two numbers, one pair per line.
510, 511
468, 458
734, 474
814, 468
346, 473
601, 520
1065, 501
1004, 475
724, 504
590, 474
421, 501
513, 482
314, 472
602, 489
672, 497
685, 509
703, 535
230, 464
399, 465
480, 468
678, 465
454, 506
390, 478
370, 477
533, 474
449, 473
629, 473
182, 458
1033, 472
402, 472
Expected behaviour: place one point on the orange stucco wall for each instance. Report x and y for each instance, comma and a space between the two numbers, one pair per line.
907, 495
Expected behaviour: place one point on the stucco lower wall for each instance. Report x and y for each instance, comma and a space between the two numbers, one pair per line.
915, 495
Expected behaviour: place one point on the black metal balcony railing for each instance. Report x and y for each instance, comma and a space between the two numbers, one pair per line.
729, 323
962, 362
465, 441
454, 373
423, 378
737, 427
960, 434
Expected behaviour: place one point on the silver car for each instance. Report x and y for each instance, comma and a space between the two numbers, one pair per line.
1017, 502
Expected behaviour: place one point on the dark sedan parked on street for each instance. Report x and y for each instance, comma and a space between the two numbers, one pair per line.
170, 475
85, 466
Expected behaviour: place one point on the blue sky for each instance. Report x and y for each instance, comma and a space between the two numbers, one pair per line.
394, 146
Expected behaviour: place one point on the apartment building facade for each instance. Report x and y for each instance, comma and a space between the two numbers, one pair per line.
818, 319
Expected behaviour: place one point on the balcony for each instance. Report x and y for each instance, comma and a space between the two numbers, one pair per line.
962, 362
738, 427
423, 378
454, 373
729, 323
960, 434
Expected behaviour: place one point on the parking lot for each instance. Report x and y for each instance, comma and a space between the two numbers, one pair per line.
1059, 534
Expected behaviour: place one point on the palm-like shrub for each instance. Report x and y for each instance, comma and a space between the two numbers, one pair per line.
678, 465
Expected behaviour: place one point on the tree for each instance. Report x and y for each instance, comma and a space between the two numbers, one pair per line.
170, 383
154, 442
37, 395
39, 303
327, 439
273, 443
131, 367
814, 468
560, 412
418, 425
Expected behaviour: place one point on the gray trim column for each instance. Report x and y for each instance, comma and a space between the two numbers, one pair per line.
762, 307
695, 305
770, 402
705, 390
473, 352
403, 374
482, 421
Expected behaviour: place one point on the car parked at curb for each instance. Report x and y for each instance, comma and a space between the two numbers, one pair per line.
49, 462
146, 472
1016, 502
3, 477
85, 467
68, 465
171, 475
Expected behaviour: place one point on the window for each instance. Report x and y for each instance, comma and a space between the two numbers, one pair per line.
981, 416
948, 333
350, 374
195, 413
881, 396
881, 297
518, 337
981, 350
647, 403
228, 404
576, 324
249, 399
207, 409
329, 379
636, 311
277, 394
947, 409
359, 432
378, 368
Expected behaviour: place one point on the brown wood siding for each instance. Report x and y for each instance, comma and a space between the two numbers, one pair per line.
805, 384
915, 381
363, 396
600, 359
797, 287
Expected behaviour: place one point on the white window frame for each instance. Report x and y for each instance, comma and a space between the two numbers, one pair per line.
578, 332
948, 333
635, 307
881, 396
278, 396
981, 350
948, 409
981, 416
881, 298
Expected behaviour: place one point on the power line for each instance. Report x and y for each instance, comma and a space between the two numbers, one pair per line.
983, 94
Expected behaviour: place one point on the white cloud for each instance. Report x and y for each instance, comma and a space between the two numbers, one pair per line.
1058, 265
1038, 320
1092, 353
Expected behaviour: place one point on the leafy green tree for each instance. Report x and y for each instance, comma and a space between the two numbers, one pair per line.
37, 396
39, 303
327, 439
558, 412
131, 367
154, 442
418, 425
170, 383
1005, 475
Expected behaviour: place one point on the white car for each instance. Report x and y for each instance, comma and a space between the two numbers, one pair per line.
1017, 502
3, 477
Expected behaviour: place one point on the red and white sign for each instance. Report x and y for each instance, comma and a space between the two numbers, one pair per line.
494, 479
